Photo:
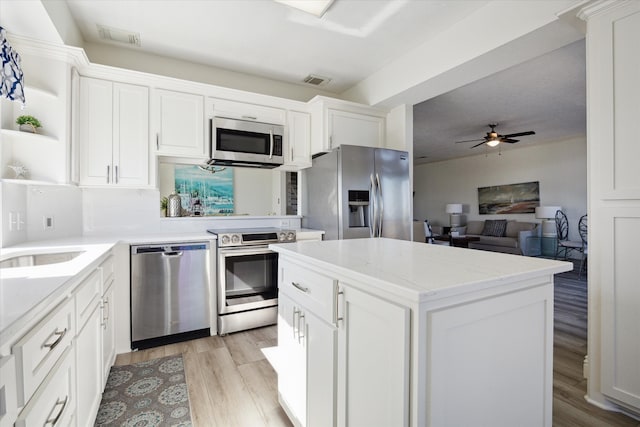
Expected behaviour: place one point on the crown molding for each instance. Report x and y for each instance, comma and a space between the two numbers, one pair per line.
28, 46
597, 7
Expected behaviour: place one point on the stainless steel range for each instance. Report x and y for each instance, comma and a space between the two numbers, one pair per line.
248, 277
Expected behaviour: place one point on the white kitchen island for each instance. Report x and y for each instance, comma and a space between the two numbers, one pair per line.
382, 332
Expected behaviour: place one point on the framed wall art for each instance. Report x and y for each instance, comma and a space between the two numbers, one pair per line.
509, 199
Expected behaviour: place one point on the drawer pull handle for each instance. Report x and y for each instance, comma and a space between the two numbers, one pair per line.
54, 420
336, 302
105, 315
53, 345
300, 287
300, 328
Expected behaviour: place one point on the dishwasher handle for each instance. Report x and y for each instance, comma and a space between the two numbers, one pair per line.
172, 254
169, 249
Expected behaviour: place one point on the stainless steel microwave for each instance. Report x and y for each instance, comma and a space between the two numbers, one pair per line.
245, 143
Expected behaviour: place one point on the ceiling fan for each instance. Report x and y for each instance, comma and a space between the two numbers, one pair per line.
493, 138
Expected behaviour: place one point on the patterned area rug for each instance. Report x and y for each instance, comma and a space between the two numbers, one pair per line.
152, 393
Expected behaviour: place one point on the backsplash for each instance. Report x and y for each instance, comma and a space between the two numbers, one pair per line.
39, 212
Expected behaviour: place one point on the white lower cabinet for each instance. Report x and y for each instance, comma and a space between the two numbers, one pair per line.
373, 361
292, 380
54, 403
307, 345
108, 332
347, 353
58, 367
88, 353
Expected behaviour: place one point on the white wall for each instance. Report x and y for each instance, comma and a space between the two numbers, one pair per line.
33, 202
561, 169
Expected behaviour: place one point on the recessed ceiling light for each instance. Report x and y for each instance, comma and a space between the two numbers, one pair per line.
314, 7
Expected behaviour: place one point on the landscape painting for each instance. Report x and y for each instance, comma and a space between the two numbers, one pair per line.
509, 199
203, 192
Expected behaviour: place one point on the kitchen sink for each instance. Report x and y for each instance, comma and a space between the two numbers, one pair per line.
30, 260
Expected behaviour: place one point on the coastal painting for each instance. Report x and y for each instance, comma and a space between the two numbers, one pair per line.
203, 192
509, 199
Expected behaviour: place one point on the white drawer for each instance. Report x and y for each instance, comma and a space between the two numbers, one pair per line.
108, 269
8, 401
53, 403
313, 291
87, 296
40, 349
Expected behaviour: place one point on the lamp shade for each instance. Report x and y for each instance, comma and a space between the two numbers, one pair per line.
545, 212
454, 208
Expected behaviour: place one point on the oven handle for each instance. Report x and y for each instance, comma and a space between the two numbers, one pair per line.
244, 251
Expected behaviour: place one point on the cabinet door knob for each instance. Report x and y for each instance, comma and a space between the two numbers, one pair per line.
108, 171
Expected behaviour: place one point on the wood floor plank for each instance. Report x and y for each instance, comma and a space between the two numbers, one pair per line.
228, 393
262, 381
243, 347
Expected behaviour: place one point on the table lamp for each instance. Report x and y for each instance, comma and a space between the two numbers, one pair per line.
548, 215
454, 210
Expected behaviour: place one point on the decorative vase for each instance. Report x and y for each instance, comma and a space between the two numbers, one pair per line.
174, 205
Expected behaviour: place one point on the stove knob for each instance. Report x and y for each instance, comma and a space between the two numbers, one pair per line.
225, 239
235, 239
291, 236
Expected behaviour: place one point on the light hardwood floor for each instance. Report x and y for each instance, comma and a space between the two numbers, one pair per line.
230, 382
232, 385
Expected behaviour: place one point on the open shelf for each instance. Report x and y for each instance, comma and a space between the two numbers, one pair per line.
28, 135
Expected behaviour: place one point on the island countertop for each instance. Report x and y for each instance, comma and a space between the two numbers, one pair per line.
419, 271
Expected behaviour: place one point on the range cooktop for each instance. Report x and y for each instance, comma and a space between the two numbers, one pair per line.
252, 236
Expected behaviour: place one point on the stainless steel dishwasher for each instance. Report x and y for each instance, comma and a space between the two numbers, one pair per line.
169, 293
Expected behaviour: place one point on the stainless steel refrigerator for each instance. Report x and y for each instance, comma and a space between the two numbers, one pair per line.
355, 192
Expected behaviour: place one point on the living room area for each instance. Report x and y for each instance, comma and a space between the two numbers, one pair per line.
453, 162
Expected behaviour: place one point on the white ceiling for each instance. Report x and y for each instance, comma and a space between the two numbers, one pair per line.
354, 39
546, 95
351, 42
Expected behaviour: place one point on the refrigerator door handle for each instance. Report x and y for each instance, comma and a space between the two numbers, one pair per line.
372, 207
380, 205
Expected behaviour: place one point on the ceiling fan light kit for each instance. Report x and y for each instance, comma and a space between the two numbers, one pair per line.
493, 138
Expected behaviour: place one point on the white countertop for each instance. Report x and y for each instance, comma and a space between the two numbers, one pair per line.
26, 291
419, 271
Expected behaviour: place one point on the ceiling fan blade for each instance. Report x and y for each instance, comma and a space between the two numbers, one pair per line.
510, 141
513, 135
470, 140
477, 145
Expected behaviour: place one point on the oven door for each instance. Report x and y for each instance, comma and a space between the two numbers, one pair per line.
247, 279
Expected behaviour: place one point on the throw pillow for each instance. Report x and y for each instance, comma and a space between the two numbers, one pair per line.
494, 227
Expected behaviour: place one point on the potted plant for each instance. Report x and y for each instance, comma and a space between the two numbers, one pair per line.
28, 123
164, 202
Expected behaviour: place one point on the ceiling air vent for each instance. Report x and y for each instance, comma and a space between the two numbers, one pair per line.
316, 80
119, 36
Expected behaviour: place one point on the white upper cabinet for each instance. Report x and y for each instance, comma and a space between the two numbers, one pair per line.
114, 133
354, 129
336, 123
298, 153
247, 111
179, 124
